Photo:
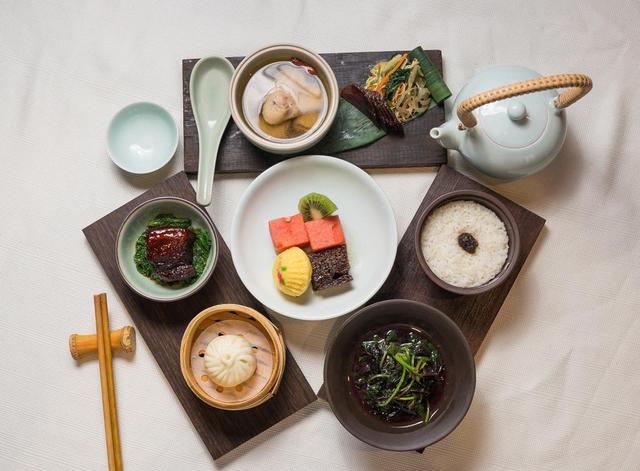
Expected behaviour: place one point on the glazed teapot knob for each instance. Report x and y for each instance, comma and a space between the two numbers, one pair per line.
516, 111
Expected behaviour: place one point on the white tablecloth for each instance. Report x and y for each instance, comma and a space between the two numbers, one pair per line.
558, 377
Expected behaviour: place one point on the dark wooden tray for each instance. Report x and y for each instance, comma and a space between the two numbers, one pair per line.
162, 326
237, 155
473, 314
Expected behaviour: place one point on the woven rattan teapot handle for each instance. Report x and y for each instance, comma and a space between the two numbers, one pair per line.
580, 85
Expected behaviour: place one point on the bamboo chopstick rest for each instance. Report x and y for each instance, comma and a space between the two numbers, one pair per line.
103, 342
122, 339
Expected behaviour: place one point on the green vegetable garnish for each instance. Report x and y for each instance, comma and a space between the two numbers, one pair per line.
201, 249
396, 79
169, 220
143, 265
435, 83
399, 375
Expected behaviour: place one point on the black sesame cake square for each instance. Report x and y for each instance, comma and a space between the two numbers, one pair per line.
330, 268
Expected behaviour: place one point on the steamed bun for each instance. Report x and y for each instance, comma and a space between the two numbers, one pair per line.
229, 360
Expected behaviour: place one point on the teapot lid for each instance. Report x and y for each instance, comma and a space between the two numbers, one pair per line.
516, 122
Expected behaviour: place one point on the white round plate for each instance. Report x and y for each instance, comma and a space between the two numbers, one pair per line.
367, 220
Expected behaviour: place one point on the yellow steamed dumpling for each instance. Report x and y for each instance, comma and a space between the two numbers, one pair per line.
292, 271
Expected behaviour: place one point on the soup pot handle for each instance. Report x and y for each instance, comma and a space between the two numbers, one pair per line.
580, 85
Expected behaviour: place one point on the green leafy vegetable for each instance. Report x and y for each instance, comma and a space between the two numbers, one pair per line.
435, 83
169, 220
143, 265
399, 375
201, 249
398, 77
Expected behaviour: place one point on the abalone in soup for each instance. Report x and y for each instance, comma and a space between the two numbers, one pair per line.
284, 100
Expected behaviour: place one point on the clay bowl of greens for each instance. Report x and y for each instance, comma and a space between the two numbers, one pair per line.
166, 249
399, 375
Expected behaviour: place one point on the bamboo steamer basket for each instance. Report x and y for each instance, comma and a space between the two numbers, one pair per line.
267, 342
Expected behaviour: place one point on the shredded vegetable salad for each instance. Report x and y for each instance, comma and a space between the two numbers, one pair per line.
402, 84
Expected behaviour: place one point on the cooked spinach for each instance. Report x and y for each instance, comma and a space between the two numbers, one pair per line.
399, 375
143, 265
169, 220
201, 249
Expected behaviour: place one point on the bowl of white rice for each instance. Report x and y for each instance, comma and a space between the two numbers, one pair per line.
467, 241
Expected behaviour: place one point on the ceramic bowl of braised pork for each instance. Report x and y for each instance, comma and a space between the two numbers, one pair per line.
166, 249
399, 375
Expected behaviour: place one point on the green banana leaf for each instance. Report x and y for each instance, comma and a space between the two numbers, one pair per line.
350, 130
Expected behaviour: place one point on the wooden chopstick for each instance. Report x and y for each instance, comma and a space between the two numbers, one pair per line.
112, 434
112, 391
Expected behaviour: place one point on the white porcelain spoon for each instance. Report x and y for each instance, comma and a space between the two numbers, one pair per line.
209, 91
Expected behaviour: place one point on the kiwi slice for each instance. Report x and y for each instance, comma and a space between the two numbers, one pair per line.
315, 206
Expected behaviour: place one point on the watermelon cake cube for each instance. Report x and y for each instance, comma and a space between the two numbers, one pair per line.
288, 232
325, 233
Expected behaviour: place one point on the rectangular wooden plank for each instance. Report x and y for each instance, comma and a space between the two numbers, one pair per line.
162, 325
473, 314
238, 155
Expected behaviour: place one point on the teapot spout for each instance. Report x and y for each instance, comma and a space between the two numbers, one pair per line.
447, 135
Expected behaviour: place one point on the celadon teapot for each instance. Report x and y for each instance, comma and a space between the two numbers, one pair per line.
510, 121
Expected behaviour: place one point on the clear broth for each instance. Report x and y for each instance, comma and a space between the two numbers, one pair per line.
298, 78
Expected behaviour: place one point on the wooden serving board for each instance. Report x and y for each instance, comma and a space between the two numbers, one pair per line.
162, 326
238, 155
473, 314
